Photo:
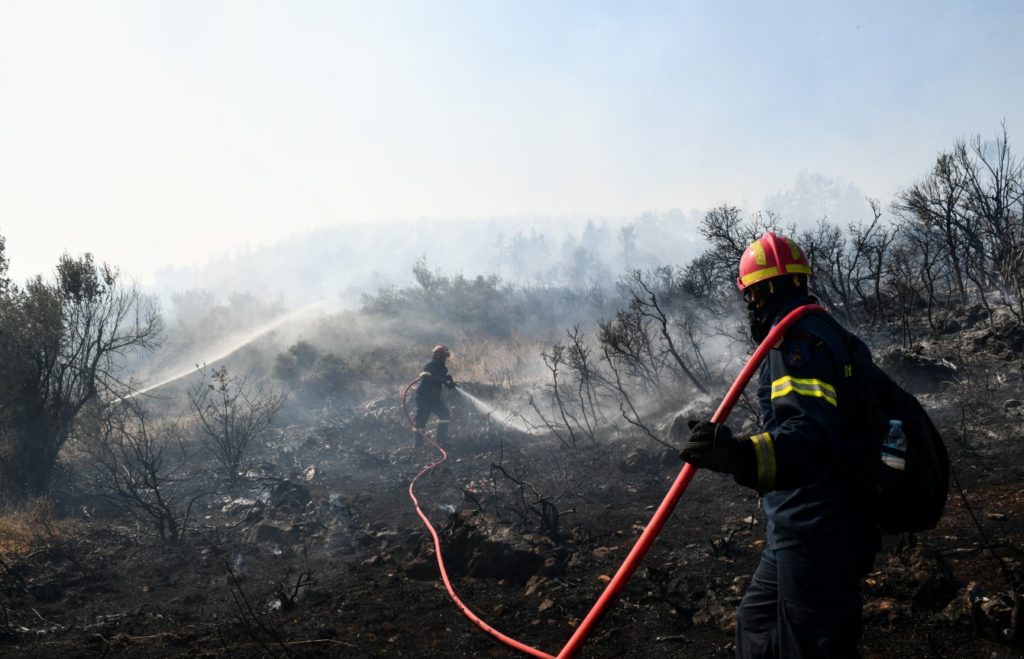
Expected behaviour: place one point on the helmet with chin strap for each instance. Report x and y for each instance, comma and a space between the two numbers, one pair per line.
771, 256
442, 351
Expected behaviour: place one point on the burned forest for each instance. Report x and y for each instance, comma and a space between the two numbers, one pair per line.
232, 478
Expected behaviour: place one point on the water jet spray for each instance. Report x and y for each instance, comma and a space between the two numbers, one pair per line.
234, 344
512, 420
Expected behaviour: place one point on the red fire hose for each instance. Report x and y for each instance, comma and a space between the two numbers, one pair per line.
507, 640
653, 528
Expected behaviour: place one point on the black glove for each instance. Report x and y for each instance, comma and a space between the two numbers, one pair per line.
712, 446
449, 382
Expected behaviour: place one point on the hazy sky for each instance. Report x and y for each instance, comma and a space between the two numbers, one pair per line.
153, 133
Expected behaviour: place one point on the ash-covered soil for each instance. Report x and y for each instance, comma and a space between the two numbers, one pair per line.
320, 551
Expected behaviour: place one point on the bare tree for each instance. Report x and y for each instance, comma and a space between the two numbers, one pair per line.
936, 204
922, 246
825, 247
64, 345
687, 365
993, 202
655, 346
230, 413
531, 506
849, 265
974, 200
630, 341
587, 379
627, 408
903, 280
141, 467
554, 359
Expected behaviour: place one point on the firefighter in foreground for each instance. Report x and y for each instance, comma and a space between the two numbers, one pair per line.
433, 377
804, 598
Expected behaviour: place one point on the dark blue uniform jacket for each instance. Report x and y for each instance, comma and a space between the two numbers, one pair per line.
433, 376
811, 447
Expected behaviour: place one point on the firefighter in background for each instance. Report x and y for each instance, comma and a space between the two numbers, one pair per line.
433, 377
804, 597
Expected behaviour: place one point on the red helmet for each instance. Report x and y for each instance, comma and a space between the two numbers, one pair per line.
442, 350
770, 256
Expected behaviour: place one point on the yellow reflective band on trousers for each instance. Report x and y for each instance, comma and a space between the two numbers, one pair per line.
442, 420
764, 452
805, 387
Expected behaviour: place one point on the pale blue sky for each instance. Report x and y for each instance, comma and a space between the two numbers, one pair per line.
154, 133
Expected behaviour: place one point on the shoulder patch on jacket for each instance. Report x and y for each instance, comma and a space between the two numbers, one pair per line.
796, 352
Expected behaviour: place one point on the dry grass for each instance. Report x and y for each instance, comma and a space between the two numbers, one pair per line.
27, 528
508, 362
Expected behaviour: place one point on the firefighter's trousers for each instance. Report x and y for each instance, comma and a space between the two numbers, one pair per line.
424, 408
805, 601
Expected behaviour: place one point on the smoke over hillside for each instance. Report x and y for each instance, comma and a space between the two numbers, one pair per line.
462, 281
341, 263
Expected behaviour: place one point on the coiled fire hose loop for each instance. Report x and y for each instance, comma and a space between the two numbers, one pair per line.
653, 528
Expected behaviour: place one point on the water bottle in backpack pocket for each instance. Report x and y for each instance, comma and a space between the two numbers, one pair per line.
894, 446
912, 473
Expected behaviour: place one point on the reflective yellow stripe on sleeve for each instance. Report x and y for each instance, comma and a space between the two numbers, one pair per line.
425, 374
805, 387
764, 452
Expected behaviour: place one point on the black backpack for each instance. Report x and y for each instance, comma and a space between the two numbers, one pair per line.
911, 499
